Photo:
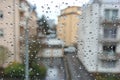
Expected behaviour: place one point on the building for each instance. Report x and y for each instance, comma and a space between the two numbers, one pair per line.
68, 25
52, 28
51, 23
53, 48
32, 23
99, 36
12, 25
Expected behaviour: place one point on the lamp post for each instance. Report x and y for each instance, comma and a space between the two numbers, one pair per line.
27, 17
26, 52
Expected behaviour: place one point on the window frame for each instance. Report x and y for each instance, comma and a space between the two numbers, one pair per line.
1, 14
109, 15
1, 33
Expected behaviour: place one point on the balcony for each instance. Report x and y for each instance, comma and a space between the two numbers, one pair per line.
22, 38
110, 38
108, 56
109, 1
112, 21
22, 23
23, 7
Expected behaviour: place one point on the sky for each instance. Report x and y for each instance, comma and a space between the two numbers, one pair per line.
51, 8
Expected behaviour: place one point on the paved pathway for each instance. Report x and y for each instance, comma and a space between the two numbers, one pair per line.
55, 68
77, 70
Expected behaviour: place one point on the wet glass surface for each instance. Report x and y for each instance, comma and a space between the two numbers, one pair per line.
59, 39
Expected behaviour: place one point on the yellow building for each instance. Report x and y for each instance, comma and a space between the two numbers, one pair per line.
12, 25
68, 23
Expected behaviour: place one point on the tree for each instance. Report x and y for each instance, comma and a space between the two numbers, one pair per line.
34, 48
43, 25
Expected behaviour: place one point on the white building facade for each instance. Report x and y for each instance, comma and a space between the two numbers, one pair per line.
52, 48
99, 36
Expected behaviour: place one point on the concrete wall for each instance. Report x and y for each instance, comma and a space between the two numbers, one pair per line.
116, 68
88, 43
10, 26
71, 9
12, 29
67, 26
90, 30
51, 52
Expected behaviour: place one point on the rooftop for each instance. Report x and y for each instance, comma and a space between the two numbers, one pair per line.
54, 41
106, 1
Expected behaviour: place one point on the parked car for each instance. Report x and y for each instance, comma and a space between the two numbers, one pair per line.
70, 49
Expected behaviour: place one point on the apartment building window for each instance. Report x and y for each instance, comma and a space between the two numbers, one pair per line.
110, 32
1, 33
111, 14
1, 14
109, 49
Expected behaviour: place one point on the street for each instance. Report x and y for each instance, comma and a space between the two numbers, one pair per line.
55, 68
76, 69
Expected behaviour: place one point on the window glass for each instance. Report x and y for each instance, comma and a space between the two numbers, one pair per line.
1, 33
1, 14
107, 14
110, 32
111, 14
114, 14
109, 48
59, 39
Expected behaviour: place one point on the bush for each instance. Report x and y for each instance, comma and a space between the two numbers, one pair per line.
16, 70
38, 71
107, 77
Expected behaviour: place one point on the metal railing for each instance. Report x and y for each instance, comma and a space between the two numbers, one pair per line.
112, 20
22, 23
108, 55
109, 38
23, 7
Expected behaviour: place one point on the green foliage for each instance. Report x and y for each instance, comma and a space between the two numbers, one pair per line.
38, 71
34, 48
35, 70
43, 25
14, 70
107, 77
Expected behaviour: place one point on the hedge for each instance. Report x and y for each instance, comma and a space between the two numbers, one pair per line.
17, 70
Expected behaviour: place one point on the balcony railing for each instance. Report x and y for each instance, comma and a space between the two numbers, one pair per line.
22, 23
110, 21
111, 38
108, 56
23, 7
22, 39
